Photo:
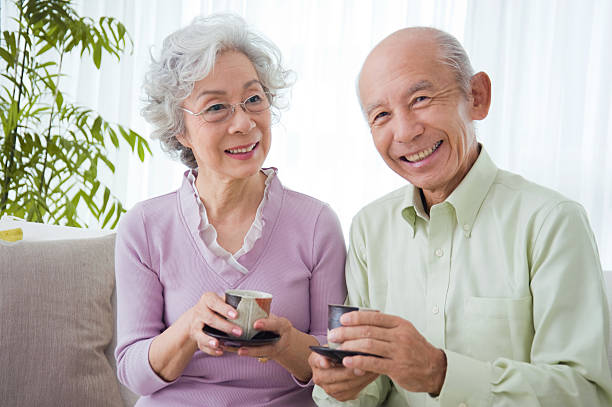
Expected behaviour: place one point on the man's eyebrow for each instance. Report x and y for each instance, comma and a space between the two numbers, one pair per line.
420, 85
222, 92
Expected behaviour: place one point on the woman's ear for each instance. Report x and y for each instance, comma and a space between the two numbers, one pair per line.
480, 95
183, 140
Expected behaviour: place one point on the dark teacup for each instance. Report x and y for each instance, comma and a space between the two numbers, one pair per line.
334, 312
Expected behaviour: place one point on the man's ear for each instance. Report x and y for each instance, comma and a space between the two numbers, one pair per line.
480, 95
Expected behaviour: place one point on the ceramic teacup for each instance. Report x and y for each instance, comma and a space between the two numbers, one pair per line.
334, 312
251, 306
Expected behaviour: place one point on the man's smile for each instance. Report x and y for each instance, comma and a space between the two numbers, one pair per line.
421, 155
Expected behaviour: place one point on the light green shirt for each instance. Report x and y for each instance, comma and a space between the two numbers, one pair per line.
504, 276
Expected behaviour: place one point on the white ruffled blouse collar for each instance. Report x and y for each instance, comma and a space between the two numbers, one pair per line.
208, 232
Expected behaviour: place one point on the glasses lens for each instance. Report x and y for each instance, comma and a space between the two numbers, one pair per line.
216, 112
256, 103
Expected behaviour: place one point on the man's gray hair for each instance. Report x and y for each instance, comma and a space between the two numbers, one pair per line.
453, 54
187, 56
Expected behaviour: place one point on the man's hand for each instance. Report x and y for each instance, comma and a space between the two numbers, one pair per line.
339, 382
406, 356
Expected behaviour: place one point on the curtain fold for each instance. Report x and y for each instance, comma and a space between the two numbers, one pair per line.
549, 61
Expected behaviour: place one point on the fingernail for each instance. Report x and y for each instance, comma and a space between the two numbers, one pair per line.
236, 331
232, 314
332, 336
322, 363
212, 343
218, 352
358, 372
345, 319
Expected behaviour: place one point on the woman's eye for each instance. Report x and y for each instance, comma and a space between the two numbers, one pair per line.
216, 108
253, 99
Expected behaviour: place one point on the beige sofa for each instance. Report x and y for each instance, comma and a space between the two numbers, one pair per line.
58, 317
58, 312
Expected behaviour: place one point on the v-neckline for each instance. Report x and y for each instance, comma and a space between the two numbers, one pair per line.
189, 212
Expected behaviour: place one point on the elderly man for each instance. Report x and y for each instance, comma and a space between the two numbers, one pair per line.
489, 286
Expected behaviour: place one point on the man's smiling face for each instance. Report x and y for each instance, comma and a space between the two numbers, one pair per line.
420, 119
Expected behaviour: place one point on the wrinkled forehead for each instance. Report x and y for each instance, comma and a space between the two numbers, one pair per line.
404, 61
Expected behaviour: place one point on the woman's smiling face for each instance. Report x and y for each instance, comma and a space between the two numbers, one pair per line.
234, 148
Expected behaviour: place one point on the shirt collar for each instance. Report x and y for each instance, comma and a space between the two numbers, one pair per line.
466, 199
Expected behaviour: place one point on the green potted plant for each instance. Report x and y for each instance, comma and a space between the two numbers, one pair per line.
51, 150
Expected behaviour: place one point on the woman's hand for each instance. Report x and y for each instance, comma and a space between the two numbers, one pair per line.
281, 326
172, 350
290, 351
211, 310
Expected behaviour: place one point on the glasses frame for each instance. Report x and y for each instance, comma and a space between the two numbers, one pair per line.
242, 104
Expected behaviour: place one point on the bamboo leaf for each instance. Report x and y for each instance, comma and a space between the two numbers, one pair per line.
141, 153
129, 137
59, 99
109, 215
97, 54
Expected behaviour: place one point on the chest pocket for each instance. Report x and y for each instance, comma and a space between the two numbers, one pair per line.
499, 327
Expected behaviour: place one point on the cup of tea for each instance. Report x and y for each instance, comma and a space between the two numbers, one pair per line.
251, 306
334, 312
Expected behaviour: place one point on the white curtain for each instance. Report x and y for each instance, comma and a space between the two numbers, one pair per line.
549, 61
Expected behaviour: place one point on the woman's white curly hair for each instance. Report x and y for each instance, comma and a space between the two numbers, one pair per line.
187, 56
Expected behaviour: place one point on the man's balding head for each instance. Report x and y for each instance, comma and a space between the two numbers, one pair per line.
420, 98
446, 48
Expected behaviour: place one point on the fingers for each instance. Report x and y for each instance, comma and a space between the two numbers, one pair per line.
368, 364
370, 318
348, 333
257, 351
213, 311
209, 345
274, 324
338, 381
317, 361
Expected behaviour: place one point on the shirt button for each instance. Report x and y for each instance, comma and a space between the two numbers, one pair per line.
466, 227
439, 252
435, 309
462, 405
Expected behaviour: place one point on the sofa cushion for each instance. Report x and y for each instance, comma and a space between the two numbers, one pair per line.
57, 322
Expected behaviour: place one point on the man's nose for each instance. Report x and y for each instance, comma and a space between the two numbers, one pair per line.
407, 127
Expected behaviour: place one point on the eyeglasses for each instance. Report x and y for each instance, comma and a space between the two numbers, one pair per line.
219, 112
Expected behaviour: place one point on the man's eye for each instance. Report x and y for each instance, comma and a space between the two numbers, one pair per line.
420, 99
219, 107
380, 116
253, 100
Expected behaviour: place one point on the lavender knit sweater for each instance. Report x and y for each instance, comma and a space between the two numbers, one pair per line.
163, 267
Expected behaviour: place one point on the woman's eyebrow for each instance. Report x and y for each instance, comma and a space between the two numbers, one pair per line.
222, 92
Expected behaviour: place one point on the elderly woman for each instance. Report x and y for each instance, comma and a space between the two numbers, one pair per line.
231, 225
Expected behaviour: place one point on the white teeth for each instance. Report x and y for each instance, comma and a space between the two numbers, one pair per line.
423, 154
242, 150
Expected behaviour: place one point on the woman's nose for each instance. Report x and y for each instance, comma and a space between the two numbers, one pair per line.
241, 121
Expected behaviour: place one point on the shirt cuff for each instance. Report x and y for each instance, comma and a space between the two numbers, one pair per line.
145, 381
300, 383
369, 396
467, 381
